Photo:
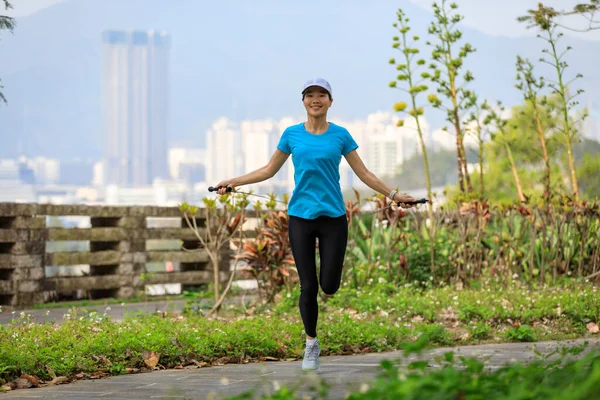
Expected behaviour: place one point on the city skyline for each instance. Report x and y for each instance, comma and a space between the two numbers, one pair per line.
244, 73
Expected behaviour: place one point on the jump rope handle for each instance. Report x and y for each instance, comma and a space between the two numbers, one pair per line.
214, 189
420, 201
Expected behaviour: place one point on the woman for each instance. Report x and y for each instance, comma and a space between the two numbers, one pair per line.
316, 209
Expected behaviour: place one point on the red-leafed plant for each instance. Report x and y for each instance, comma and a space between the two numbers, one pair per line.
269, 256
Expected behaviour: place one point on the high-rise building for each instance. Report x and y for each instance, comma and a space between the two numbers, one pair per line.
136, 112
225, 157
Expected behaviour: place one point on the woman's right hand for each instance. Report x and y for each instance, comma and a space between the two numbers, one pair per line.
223, 185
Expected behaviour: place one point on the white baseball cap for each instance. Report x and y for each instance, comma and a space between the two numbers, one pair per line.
321, 82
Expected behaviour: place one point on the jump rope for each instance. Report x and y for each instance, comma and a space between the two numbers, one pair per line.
416, 202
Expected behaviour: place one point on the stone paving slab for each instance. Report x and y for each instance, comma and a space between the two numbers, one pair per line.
342, 373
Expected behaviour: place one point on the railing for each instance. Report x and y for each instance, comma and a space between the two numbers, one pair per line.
119, 243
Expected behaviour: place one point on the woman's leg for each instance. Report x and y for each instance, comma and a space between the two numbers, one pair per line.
333, 238
303, 240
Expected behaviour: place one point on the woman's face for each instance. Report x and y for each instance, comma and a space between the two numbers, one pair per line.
316, 101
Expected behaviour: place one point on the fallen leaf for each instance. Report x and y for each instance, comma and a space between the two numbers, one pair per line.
592, 327
178, 367
22, 383
7, 388
80, 375
199, 364
58, 380
271, 359
151, 358
97, 375
32, 379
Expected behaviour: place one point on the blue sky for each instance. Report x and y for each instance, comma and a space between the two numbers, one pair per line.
476, 14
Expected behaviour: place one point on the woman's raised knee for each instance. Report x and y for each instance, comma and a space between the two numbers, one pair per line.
330, 288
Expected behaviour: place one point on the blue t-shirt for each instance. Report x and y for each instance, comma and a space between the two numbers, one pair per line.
316, 161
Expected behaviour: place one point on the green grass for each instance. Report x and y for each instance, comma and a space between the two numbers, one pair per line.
375, 319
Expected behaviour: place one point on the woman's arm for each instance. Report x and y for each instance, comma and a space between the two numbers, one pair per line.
262, 174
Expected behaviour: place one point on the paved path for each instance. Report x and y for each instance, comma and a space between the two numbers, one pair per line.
342, 373
116, 312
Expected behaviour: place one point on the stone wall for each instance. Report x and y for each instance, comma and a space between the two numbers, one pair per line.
117, 252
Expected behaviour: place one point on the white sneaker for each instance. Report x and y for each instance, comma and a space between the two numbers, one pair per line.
311, 357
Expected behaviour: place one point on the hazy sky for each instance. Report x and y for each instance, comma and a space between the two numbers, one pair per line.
477, 13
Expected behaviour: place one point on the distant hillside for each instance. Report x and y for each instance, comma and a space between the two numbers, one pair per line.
232, 58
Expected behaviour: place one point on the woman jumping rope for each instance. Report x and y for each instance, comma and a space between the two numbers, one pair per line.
316, 209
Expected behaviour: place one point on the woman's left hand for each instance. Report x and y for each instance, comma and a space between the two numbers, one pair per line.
403, 200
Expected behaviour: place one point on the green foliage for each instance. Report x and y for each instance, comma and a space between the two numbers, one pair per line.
523, 136
378, 317
544, 19
465, 378
409, 74
522, 333
269, 256
588, 173
527, 83
534, 244
543, 15
480, 331
447, 73
6, 23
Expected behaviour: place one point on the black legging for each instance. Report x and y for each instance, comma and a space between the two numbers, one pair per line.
333, 237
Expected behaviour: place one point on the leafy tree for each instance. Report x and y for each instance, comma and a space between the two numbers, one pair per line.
502, 137
408, 76
477, 128
530, 86
522, 134
451, 82
586, 10
7, 23
545, 20
409, 68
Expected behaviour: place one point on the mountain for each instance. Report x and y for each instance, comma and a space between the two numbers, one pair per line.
240, 59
